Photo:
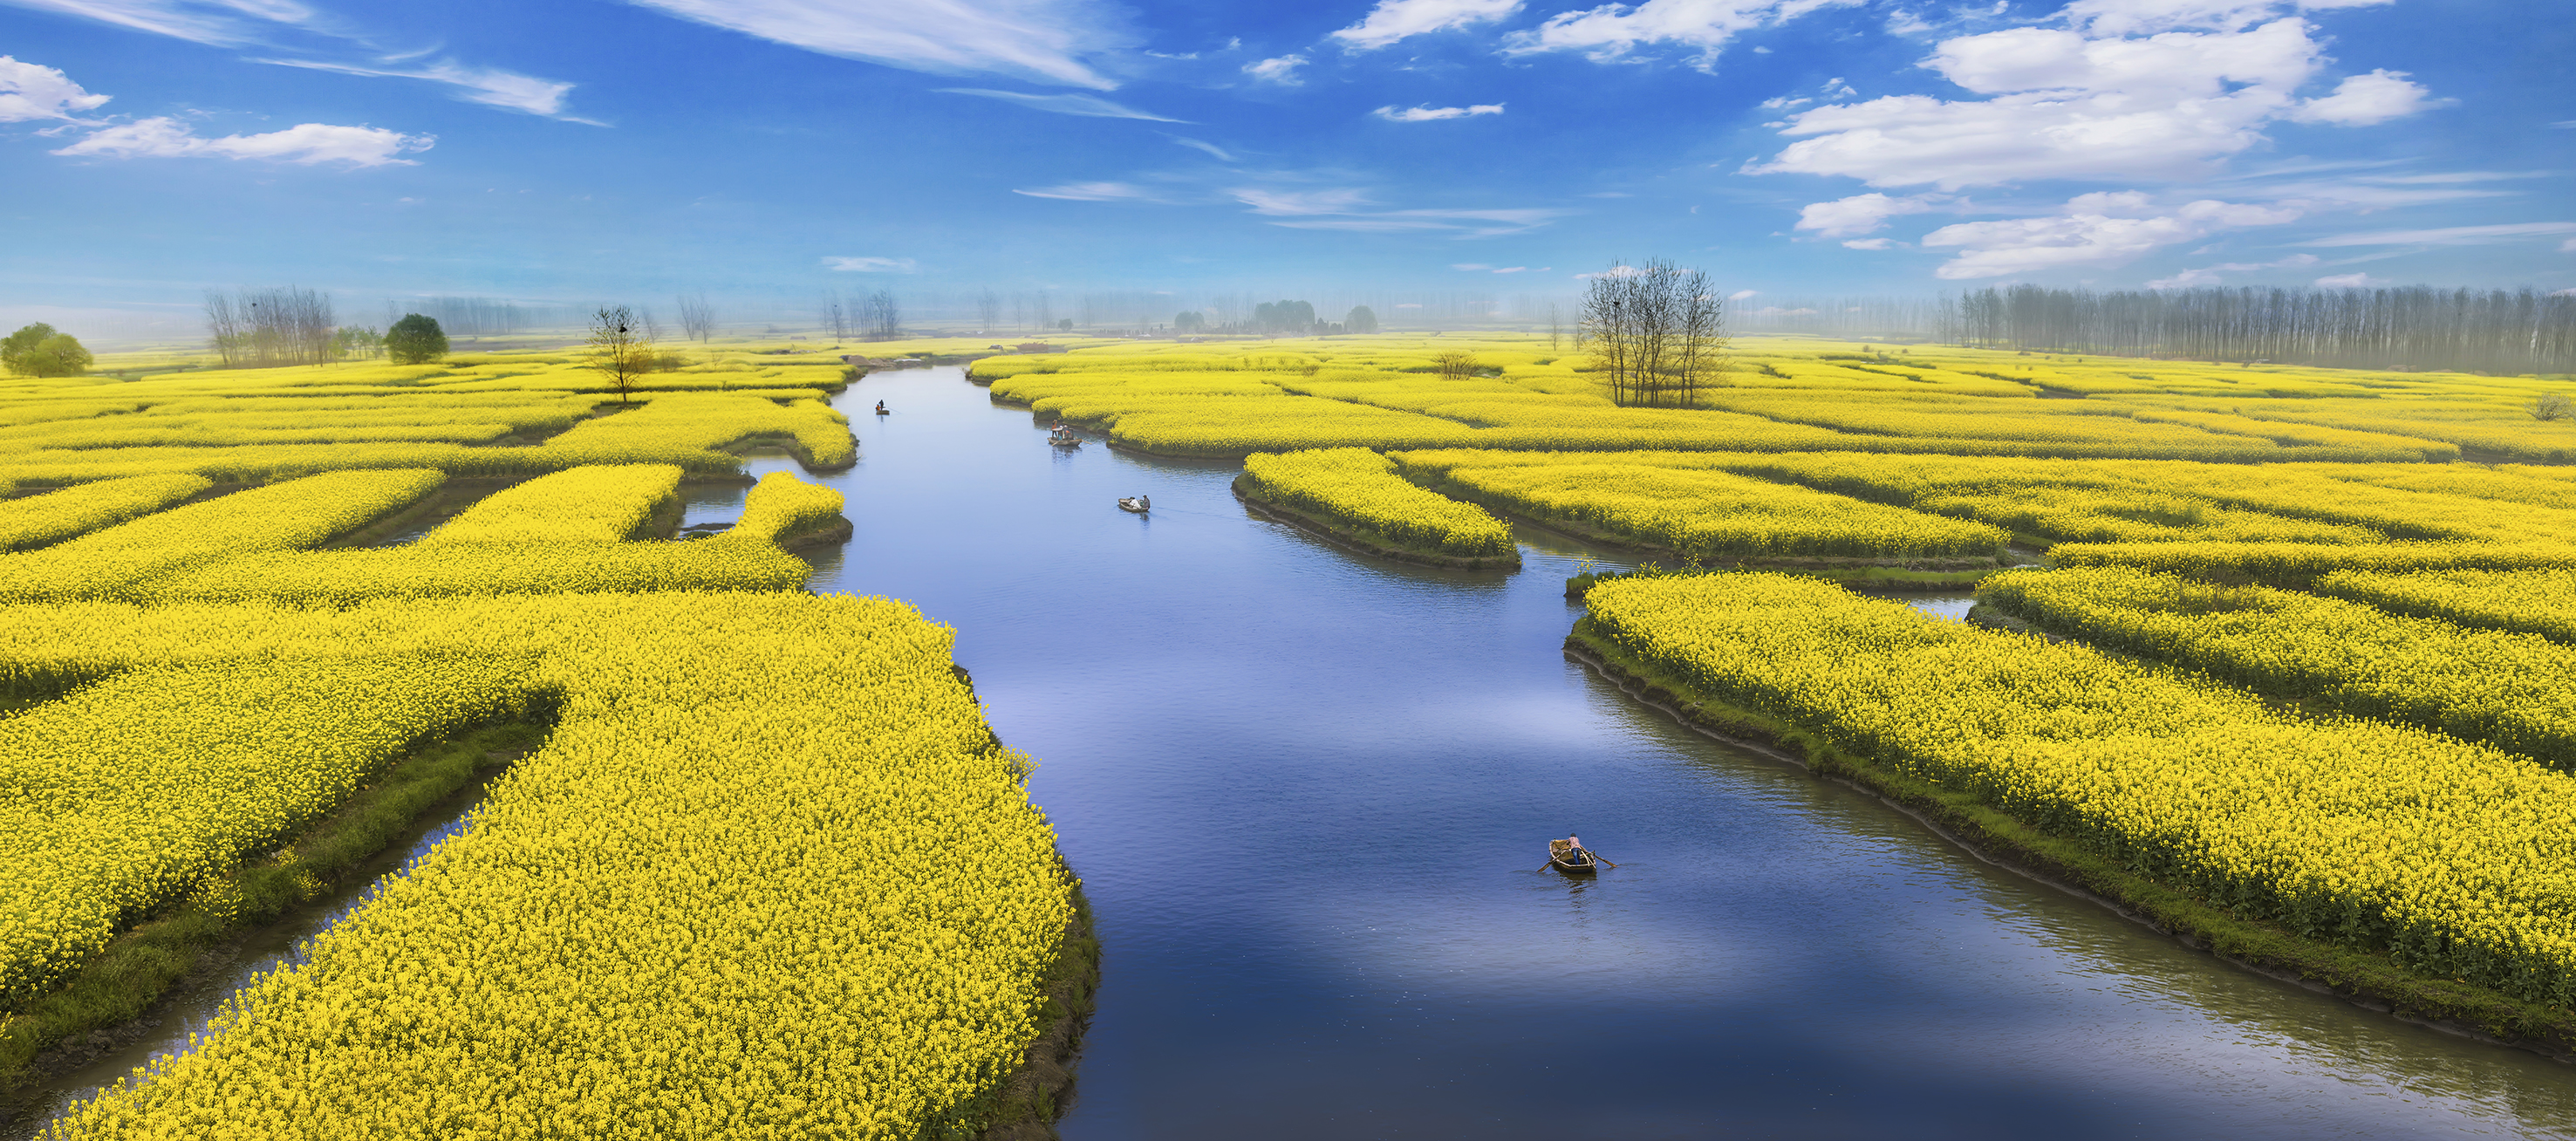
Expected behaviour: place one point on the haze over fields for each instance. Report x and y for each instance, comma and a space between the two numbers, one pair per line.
776, 148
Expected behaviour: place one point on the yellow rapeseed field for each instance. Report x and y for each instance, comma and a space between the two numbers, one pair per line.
1359, 488
2455, 859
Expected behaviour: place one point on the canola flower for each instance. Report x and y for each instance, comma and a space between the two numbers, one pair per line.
57, 515
2511, 690
285, 516
506, 551
125, 794
771, 876
601, 503
1359, 487
2539, 602
1709, 516
2455, 859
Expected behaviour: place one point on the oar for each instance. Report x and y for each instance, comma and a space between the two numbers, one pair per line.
1596, 858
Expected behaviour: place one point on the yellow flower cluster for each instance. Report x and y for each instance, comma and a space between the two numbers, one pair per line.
2532, 602
2514, 691
125, 794
2455, 859
1711, 516
771, 876
54, 516
508, 551
595, 504
283, 516
1359, 487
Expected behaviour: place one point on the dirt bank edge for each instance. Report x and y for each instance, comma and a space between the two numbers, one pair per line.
2362, 978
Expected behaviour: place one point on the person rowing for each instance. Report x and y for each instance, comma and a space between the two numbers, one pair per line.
1575, 852
881, 408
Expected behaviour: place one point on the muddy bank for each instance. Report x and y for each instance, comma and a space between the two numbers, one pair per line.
2364, 979
1343, 536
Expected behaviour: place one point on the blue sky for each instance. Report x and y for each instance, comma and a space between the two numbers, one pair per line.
773, 148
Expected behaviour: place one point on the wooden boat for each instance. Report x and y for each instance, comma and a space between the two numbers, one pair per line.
1562, 854
1139, 504
1064, 440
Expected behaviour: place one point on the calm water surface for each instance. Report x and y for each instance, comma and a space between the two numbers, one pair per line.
1307, 791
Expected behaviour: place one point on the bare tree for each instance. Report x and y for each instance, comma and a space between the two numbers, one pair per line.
697, 318
1657, 332
1555, 325
618, 350
879, 317
988, 311
836, 317
272, 327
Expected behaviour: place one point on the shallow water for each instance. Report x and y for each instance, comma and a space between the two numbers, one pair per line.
1306, 791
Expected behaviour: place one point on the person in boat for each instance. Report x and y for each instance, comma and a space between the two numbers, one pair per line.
881, 408
1575, 853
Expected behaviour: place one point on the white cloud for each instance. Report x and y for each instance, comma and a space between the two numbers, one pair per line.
1219, 153
306, 144
1393, 20
871, 265
1870, 244
2361, 100
1349, 209
1741, 294
1040, 40
2212, 275
1281, 70
1612, 31
487, 86
2449, 235
1858, 214
2100, 229
1094, 192
1065, 103
1392, 114
30, 91
215, 22
1905, 23
2568, 246
2106, 105
2349, 281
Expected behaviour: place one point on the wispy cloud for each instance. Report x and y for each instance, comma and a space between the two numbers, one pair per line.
1394, 114
2350, 281
1348, 209
1614, 32
488, 86
2449, 235
2100, 229
211, 22
870, 265
30, 92
305, 144
1394, 20
1214, 151
1046, 41
1281, 70
1094, 192
2212, 275
1066, 103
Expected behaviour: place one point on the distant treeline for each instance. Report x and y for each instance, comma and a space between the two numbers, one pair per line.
487, 316
2414, 327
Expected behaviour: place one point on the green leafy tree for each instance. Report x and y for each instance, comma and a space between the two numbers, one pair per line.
1361, 320
15, 347
416, 340
38, 350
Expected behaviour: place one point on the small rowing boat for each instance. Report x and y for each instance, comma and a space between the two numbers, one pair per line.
1565, 857
1139, 504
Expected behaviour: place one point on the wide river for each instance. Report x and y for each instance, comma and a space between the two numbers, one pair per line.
1307, 792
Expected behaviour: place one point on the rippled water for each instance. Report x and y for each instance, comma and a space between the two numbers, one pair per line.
1307, 791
